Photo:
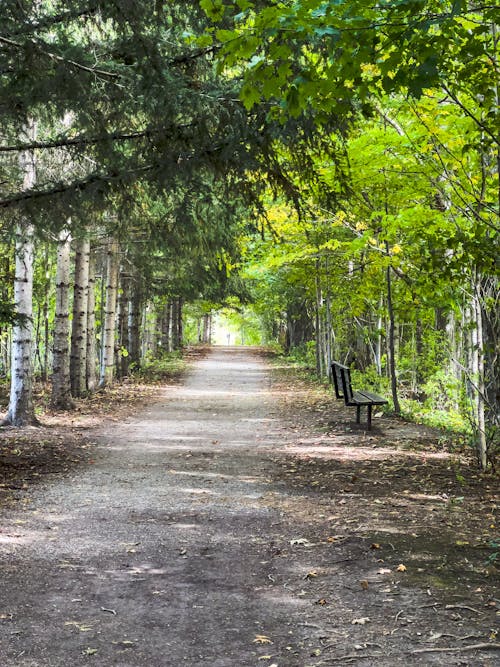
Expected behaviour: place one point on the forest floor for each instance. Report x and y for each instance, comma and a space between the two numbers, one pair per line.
238, 517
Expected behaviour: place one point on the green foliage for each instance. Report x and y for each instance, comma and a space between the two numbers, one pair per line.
494, 557
167, 368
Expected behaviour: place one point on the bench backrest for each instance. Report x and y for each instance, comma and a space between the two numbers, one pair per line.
341, 376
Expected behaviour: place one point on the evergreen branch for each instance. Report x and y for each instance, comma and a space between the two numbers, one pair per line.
78, 185
193, 55
57, 58
82, 184
86, 141
49, 21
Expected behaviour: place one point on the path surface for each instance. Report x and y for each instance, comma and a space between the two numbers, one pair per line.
181, 545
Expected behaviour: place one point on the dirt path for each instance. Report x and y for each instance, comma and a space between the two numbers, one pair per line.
197, 538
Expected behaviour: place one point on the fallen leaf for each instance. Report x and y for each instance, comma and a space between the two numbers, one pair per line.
321, 602
375, 545
364, 584
401, 568
89, 651
262, 639
360, 621
311, 574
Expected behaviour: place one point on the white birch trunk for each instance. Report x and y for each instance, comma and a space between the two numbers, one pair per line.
78, 366
108, 339
21, 409
61, 385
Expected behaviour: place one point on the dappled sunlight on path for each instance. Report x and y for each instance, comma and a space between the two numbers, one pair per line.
214, 530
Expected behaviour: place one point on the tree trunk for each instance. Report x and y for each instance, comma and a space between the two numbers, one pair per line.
378, 346
177, 323
149, 330
180, 324
78, 361
328, 321
122, 322
61, 385
391, 348
319, 356
91, 358
134, 325
21, 410
166, 326
108, 344
206, 328
479, 392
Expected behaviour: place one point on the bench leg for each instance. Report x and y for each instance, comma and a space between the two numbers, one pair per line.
369, 415
358, 414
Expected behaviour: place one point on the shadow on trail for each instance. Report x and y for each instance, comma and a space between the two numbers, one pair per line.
222, 527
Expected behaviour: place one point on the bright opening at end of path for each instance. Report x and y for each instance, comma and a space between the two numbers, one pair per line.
235, 328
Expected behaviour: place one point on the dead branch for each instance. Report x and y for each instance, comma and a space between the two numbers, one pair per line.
462, 606
484, 646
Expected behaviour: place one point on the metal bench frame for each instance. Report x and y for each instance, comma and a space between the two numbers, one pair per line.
341, 376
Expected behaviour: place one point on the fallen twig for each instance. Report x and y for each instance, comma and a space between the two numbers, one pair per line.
356, 656
488, 646
110, 611
462, 606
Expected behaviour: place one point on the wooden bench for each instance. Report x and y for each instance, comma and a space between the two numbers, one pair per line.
341, 376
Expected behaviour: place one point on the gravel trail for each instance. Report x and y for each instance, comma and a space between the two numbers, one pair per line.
218, 529
160, 552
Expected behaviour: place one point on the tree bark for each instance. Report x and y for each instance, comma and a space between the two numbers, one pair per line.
123, 360
61, 385
207, 320
166, 327
479, 393
134, 325
318, 327
91, 358
21, 409
108, 339
177, 323
78, 361
391, 347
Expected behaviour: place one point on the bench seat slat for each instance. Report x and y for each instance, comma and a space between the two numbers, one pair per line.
359, 398
374, 398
